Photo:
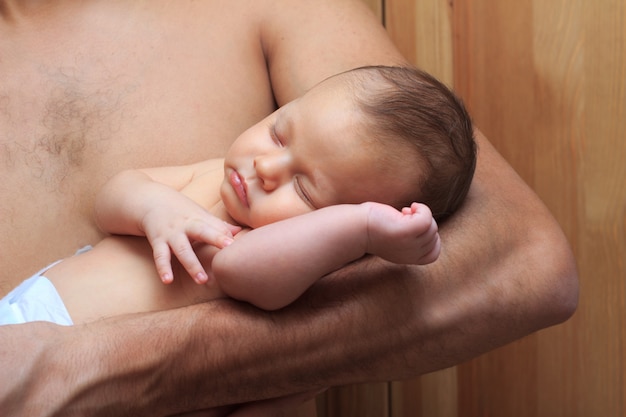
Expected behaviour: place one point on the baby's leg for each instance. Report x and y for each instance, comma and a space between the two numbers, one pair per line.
409, 236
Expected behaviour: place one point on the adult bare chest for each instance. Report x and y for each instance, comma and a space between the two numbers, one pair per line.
95, 89
112, 82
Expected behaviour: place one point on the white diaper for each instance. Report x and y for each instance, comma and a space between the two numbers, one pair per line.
35, 299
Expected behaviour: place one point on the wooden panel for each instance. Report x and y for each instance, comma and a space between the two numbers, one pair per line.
434, 394
366, 400
545, 81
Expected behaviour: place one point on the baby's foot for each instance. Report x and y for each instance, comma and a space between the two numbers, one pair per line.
409, 236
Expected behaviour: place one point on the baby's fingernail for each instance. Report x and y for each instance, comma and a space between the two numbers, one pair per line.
201, 278
166, 278
228, 241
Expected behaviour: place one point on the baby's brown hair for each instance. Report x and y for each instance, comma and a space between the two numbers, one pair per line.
430, 121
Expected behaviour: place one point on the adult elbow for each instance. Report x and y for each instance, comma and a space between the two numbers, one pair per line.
567, 292
559, 297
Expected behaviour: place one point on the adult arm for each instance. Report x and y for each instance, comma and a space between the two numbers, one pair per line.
493, 283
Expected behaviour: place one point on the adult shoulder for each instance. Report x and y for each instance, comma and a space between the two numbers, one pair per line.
305, 42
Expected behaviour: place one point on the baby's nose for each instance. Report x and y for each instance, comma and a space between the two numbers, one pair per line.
272, 169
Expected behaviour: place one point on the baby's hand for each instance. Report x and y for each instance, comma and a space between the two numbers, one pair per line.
174, 230
409, 236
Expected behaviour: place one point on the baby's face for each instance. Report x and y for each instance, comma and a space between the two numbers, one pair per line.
309, 154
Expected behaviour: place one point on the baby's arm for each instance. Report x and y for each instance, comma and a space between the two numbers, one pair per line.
273, 265
155, 203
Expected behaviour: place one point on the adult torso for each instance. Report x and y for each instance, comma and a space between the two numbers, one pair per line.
90, 88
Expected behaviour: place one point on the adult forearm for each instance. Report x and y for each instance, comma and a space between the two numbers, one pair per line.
223, 352
158, 365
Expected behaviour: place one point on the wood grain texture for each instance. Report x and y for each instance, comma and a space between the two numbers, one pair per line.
548, 89
546, 82
365, 400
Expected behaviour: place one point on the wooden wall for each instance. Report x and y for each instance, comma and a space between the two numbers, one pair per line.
546, 81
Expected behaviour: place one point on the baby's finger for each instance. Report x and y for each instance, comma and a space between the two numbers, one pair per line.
433, 254
163, 261
417, 209
188, 259
233, 229
219, 235
431, 245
